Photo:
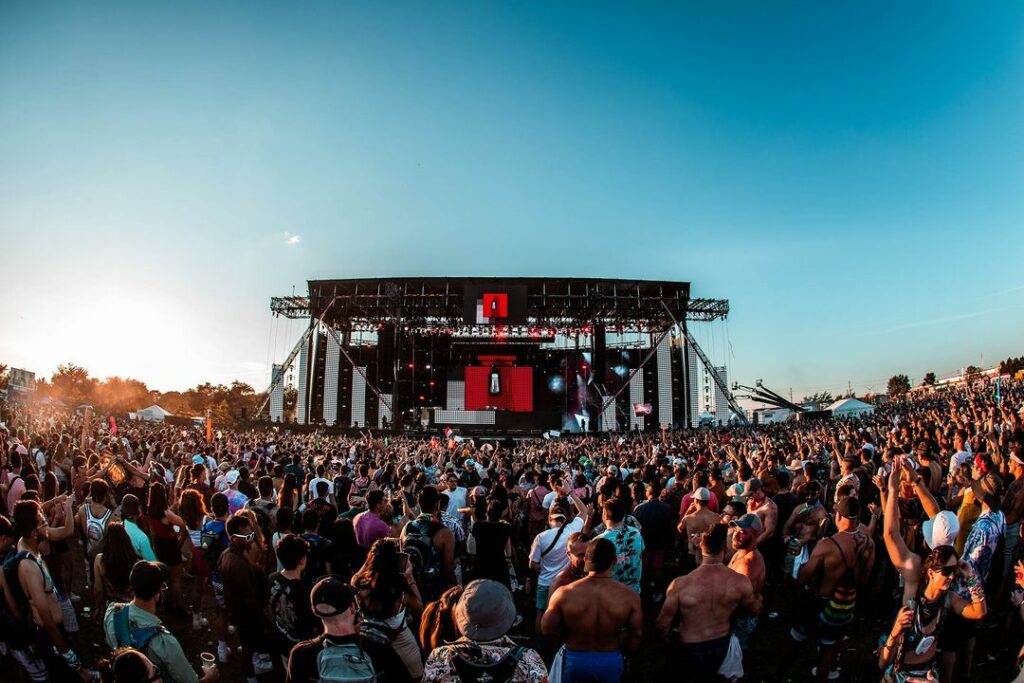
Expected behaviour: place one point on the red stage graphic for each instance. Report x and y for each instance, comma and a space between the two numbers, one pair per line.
515, 384
495, 305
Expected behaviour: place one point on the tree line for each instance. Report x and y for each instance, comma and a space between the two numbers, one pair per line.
73, 385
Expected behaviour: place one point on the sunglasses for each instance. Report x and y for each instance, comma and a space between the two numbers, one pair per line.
948, 570
245, 537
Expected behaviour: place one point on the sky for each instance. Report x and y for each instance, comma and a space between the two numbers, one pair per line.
848, 175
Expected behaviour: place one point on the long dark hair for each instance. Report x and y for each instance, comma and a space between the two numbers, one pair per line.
437, 627
156, 506
192, 508
288, 489
118, 555
381, 574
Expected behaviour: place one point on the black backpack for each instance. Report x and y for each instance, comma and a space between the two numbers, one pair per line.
418, 543
212, 541
471, 668
315, 563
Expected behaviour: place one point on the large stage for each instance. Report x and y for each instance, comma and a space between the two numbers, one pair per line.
495, 355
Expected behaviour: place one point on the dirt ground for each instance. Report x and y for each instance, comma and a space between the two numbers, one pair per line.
772, 656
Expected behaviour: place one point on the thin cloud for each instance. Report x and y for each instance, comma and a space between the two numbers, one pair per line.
290, 239
943, 320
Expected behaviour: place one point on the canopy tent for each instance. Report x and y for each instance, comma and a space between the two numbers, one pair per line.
851, 407
154, 412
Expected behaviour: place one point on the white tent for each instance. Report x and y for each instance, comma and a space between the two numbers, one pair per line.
154, 412
850, 407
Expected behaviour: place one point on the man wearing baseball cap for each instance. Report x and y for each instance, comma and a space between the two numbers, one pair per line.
483, 615
695, 522
839, 565
334, 603
595, 616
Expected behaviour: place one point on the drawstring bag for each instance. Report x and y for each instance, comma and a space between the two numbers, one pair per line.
801, 560
555, 672
732, 666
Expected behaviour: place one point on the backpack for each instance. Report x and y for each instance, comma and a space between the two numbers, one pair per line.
345, 664
94, 528
10, 570
126, 636
418, 543
265, 511
316, 566
212, 541
473, 670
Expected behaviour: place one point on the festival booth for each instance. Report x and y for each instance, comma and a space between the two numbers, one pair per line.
850, 408
153, 413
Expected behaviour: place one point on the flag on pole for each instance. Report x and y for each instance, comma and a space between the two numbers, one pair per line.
209, 426
113, 426
447, 432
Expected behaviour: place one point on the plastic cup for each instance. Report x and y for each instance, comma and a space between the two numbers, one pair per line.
209, 661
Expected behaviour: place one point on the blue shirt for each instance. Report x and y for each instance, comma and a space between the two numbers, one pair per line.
140, 541
629, 546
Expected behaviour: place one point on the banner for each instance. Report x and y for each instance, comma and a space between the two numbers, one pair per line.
22, 380
209, 426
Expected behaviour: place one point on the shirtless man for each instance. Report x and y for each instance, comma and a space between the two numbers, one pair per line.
36, 588
747, 560
1013, 508
576, 551
803, 524
698, 519
764, 507
704, 601
843, 563
598, 617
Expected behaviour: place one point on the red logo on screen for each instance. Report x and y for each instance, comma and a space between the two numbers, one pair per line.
495, 305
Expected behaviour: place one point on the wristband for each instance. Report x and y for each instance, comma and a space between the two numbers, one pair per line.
974, 587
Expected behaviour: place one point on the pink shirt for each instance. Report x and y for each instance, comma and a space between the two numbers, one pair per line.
369, 527
14, 493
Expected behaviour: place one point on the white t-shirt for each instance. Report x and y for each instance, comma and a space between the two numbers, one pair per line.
313, 482
555, 560
456, 500
959, 458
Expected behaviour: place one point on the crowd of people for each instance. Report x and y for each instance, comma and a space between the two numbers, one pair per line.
584, 559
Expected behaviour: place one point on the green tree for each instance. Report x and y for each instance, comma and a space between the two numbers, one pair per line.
73, 384
822, 398
899, 385
929, 379
3, 376
972, 373
122, 395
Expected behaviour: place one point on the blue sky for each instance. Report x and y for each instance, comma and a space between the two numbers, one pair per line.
848, 175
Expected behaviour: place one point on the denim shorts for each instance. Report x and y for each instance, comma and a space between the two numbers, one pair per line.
542, 597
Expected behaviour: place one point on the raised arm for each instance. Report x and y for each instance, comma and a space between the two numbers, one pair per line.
907, 563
